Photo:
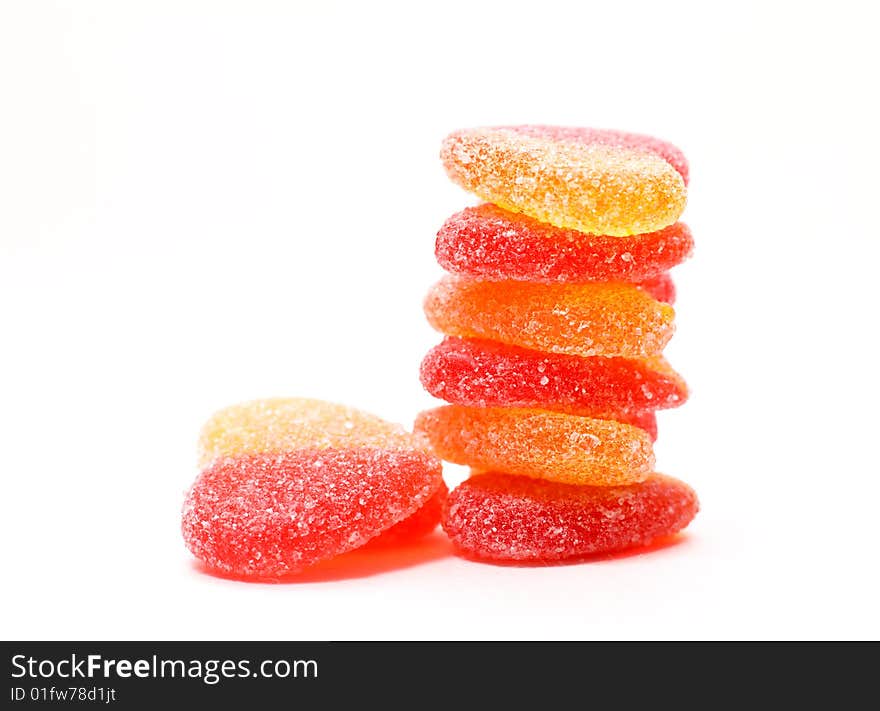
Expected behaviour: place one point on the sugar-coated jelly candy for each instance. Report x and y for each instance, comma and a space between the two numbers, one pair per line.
579, 182
537, 443
660, 287
415, 526
493, 244
610, 319
610, 137
271, 514
500, 517
643, 419
283, 424
288, 482
481, 373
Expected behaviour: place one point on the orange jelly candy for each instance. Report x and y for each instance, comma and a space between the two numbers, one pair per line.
576, 180
613, 319
549, 445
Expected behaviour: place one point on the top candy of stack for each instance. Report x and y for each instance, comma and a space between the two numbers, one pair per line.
595, 181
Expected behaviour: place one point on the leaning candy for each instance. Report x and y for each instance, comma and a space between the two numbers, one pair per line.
577, 319
481, 373
282, 424
535, 443
269, 515
290, 482
416, 526
501, 517
490, 243
582, 182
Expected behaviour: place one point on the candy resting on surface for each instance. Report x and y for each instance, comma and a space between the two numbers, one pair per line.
537, 443
268, 515
483, 373
282, 424
419, 524
288, 482
489, 243
577, 319
502, 517
590, 185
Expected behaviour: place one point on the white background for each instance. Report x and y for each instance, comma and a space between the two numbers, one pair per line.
205, 202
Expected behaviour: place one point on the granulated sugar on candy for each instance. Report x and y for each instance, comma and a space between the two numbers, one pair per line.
489, 243
416, 526
269, 515
537, 443
500, 517
290, 482
574, 182
608, 319
609, 137
556, 313
283, 424
660, 287
482, 373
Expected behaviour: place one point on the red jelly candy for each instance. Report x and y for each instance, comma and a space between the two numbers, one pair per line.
481, 373
270, 514
502, 517
420, 524
490, 243
646, 420
661, 287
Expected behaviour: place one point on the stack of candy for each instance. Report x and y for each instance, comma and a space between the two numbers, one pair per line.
288, 482
555, 313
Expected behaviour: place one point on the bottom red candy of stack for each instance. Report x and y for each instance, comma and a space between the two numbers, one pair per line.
501, 517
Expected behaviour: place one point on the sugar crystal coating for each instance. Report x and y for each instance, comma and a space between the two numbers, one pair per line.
610, 137
537, 443
590, 186
489, 243
271, 514
660, 287
643, 419
611, 319
283, 424
481, 373
494, 516
415, 526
